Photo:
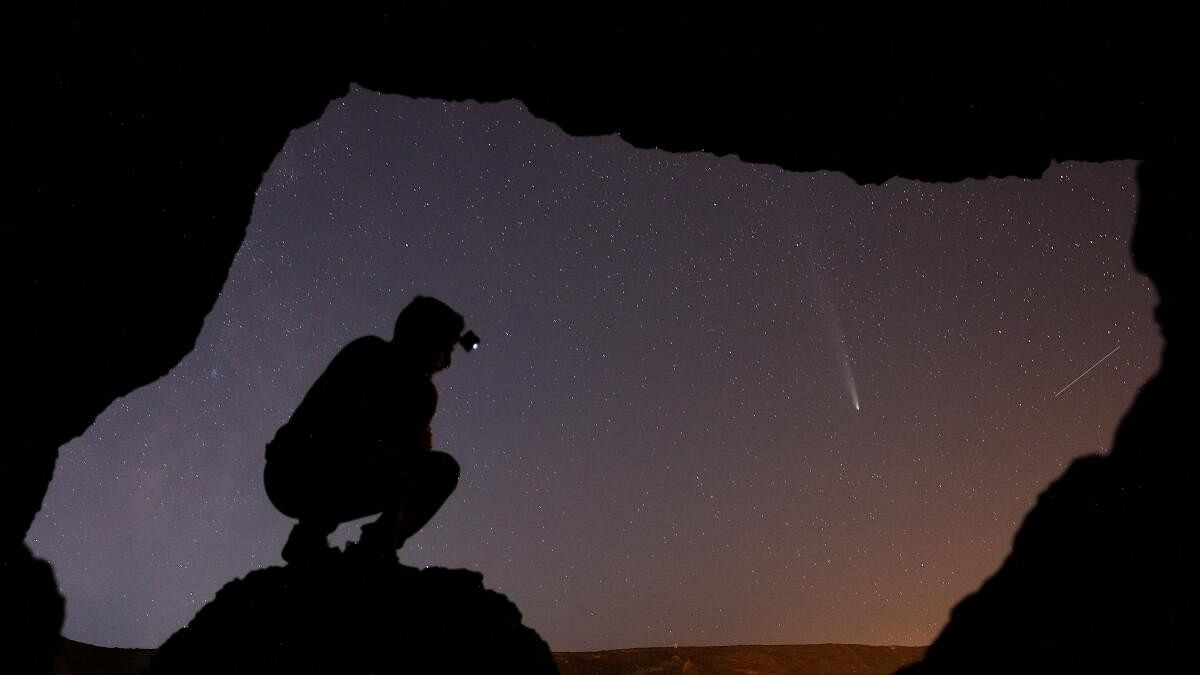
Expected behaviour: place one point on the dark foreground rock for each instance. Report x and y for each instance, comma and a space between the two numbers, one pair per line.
353, 616
31, 612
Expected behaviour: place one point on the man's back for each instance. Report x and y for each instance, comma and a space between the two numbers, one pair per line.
369, 400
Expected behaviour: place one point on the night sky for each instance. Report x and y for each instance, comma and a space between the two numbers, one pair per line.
716, 403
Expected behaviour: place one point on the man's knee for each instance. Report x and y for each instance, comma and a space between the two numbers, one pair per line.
279, 489
444, 468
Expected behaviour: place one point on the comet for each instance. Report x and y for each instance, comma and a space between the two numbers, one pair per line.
851, 386
1114, 351
836, 335
853, 390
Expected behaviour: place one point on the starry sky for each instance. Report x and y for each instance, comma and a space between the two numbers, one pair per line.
716, 403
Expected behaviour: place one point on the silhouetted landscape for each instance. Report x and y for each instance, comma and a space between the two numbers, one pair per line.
762, 659
81, 659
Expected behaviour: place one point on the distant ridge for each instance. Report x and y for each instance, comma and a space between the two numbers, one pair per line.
827, 659
78, 658
824, 659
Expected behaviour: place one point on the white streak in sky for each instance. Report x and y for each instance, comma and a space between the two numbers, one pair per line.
853, 387
844, 353
835, 331
1114, 351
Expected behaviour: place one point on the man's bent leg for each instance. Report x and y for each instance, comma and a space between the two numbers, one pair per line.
416, 486
434, 478
320, 493
309, 541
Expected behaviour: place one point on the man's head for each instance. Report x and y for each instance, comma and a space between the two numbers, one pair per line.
427, 330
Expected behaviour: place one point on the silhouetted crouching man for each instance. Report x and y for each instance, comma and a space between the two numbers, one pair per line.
360, 441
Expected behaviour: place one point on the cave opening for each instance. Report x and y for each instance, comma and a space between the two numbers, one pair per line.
739, 404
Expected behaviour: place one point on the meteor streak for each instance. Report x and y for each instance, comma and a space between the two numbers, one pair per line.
1088, 370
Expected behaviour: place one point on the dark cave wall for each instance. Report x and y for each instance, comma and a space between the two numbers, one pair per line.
929, 93
140, 135
1099, 576
143, 134
140, 152
1166, 248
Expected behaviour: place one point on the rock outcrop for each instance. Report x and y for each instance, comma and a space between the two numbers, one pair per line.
355, 616
32, 612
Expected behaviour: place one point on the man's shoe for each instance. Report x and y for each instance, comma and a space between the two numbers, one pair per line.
307, 544
375, 543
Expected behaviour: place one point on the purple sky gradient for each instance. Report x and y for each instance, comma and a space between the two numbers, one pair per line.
658, 436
